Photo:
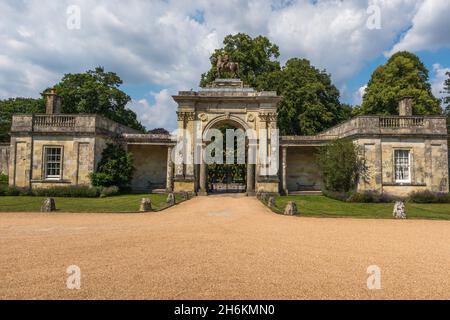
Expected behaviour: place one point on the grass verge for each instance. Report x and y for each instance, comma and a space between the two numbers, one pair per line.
121, 203
321, 206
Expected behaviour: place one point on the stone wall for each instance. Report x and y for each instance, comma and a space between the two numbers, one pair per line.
4, 158
429, 165
302, 169
20, 161
27, 161
150, 162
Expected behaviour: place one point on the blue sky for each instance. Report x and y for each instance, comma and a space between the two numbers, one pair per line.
159, 47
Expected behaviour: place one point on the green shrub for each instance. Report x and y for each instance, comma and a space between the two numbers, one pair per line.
6, 190
341, 165
341, 196
115, 168
369, 197
3, 179
109, 191
428, 197
101, 179
69, 191
358, 197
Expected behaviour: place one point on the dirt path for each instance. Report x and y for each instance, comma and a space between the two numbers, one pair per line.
220, 248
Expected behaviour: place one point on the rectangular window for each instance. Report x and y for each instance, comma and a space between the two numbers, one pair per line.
52, 162
402, 166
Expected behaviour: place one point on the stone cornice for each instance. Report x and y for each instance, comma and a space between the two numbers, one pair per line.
322, 139
153, 139
219, 98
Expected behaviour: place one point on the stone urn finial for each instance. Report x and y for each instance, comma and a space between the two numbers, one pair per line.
399, 210
170, 199
146, 205
48, 205
291, 209
264, 197
271, 202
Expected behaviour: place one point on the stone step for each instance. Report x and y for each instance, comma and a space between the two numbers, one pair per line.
159, 191
305, 193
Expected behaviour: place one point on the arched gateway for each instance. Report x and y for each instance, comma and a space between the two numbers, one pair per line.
227, 101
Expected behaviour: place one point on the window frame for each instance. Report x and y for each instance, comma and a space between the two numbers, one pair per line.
45, 162
403, 181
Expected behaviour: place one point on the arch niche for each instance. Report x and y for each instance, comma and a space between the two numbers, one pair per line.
235, 122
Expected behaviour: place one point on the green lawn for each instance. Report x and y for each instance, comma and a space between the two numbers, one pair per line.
320, 206
122, 203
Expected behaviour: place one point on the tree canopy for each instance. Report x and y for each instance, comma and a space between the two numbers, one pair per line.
310, 101
16, 105
256, 58
97, 91
403, 75
159, 131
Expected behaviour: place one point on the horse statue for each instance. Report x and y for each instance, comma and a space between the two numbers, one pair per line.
223, 63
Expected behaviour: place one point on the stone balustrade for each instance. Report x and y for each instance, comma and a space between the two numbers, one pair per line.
376, 125
401, 122
373, 125
66, 123
54, 121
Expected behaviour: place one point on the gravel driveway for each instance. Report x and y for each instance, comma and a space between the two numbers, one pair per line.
220, 247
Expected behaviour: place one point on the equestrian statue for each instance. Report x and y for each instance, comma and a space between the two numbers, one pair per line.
223, 64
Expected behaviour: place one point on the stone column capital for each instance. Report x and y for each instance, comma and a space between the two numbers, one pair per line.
190, 116
180, 116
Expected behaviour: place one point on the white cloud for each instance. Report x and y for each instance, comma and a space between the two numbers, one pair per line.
144, 42
358, 96
334, 34
437, 83
160, 44
161, 114
430, 28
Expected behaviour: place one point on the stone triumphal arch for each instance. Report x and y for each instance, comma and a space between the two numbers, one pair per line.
228, 102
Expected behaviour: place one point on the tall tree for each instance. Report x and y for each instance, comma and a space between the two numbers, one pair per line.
16, 105
446, 99
310, 101
403, 75
97, 91
256, 58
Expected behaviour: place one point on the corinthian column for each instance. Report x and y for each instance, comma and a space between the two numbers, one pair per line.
170, 167
261, 165
189, 173
284, 168
179, 166
250, 179
203, 175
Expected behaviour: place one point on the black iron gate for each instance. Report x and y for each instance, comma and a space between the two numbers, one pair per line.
226, 178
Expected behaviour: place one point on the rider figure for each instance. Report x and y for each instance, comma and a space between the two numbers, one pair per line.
225, 61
